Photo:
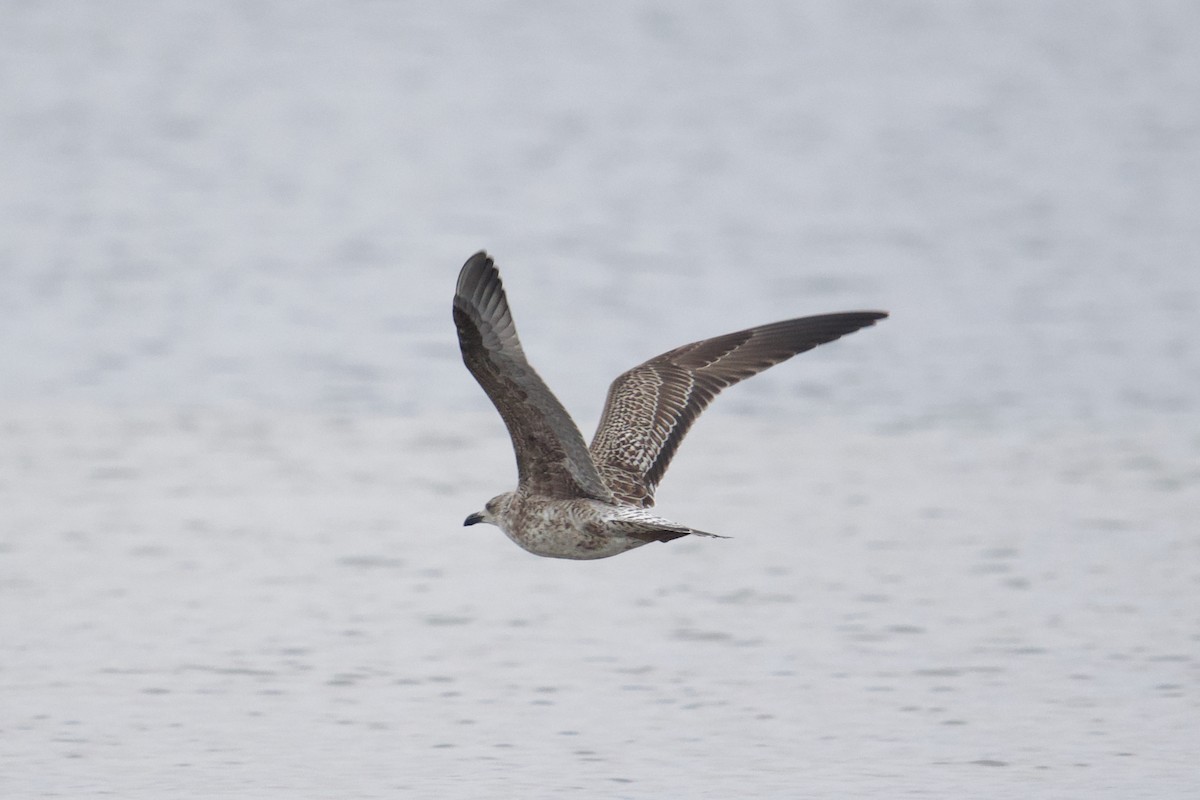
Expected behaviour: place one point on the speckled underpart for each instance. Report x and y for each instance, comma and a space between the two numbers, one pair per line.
579, 529
577, 502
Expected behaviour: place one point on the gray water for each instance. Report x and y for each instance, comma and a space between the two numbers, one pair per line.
239, 442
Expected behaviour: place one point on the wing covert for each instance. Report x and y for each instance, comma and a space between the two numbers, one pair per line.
651, 407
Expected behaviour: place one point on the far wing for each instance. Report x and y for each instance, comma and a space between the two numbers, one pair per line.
552, 459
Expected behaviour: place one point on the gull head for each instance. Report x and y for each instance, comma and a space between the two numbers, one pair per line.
494, 508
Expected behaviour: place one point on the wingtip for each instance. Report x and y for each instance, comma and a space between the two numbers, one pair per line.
865, 319
479, 262
476, 270
480, 255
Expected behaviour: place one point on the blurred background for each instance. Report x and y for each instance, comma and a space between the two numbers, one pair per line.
239, 439
267, 203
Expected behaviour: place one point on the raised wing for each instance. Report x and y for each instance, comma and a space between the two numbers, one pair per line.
651, 407
552, 459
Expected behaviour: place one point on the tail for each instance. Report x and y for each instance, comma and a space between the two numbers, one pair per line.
669, 534
638, 523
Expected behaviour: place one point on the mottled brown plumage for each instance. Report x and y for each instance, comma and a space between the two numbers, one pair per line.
651, 407
552, 460
576, 502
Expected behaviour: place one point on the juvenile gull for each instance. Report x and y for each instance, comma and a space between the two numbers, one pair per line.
577, 502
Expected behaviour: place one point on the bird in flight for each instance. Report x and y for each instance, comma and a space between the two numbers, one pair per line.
580, 502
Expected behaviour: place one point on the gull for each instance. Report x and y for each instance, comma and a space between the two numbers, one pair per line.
579, 502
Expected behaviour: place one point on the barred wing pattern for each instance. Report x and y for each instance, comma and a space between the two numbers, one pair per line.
552, 459
651, 407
